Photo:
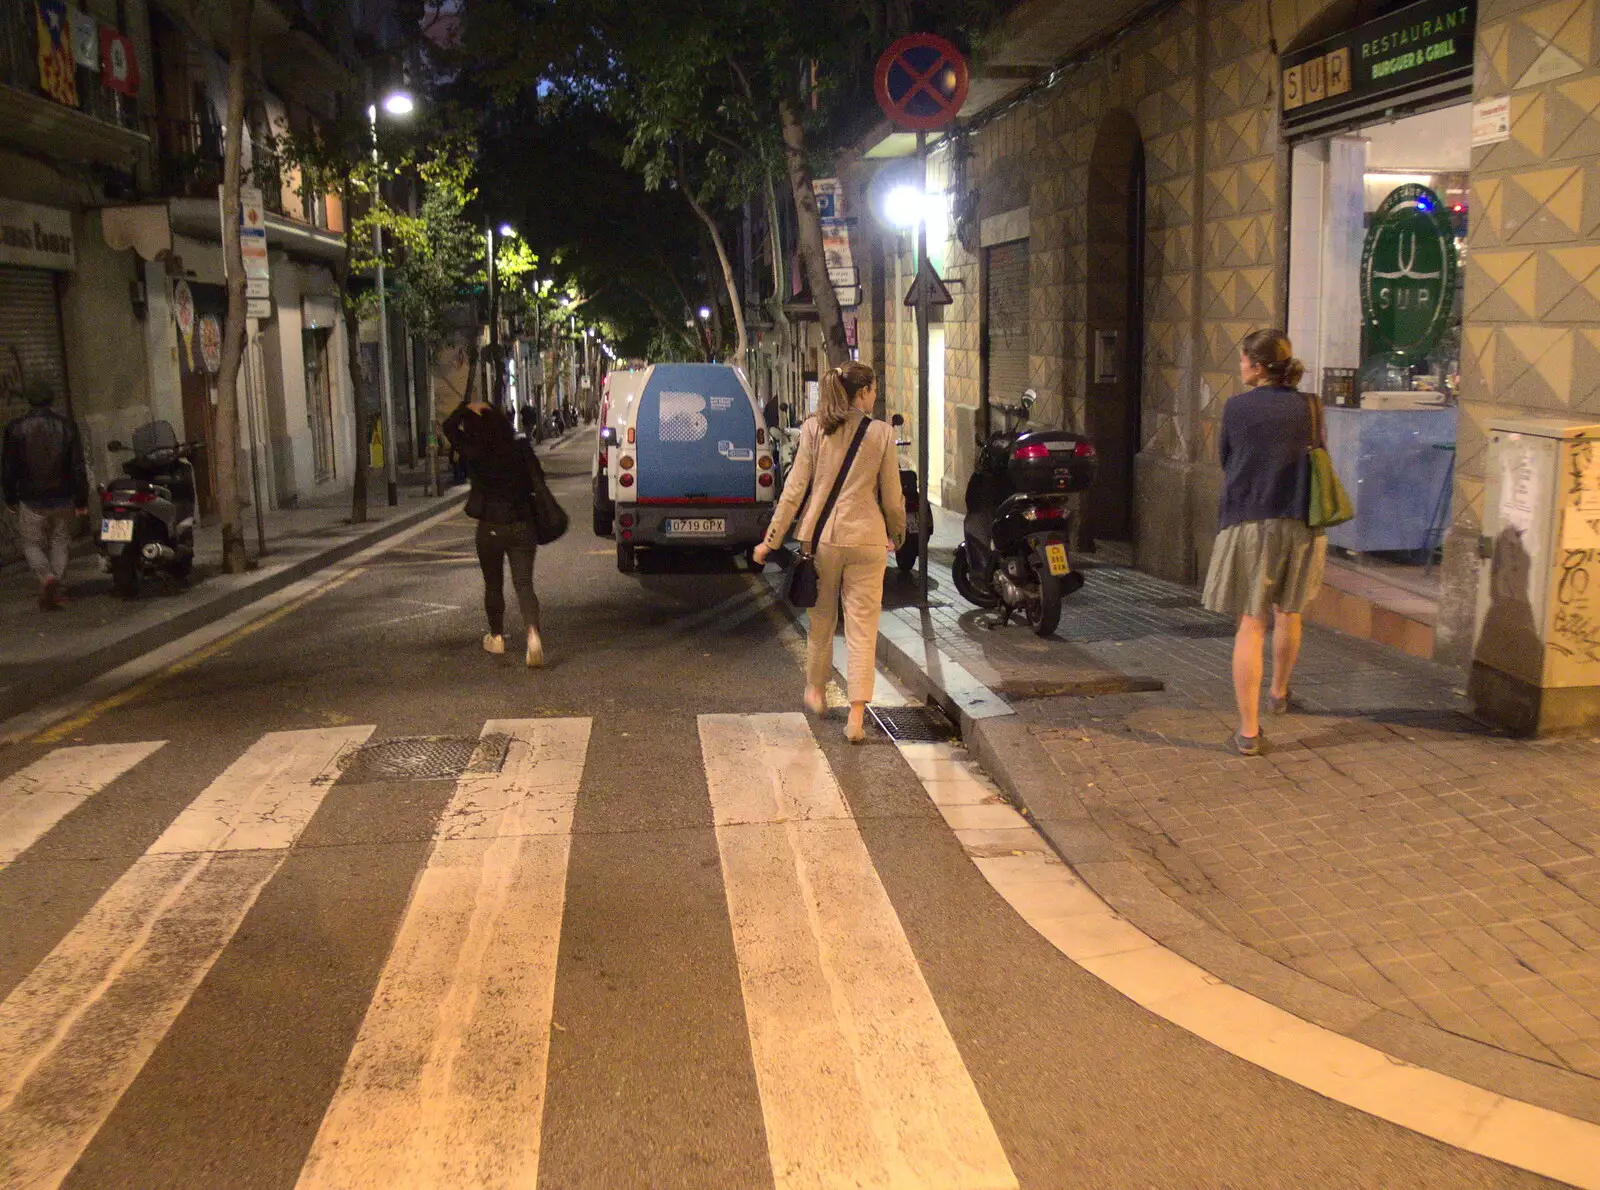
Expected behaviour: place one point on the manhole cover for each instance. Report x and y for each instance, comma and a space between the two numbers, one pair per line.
914, 725
423, 758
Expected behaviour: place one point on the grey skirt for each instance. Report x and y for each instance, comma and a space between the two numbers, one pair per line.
1259, 565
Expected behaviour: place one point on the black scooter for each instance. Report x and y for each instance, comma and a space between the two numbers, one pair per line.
1018, 523
147, 514
906, 556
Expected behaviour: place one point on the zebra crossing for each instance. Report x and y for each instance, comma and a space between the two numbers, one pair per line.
859, 1079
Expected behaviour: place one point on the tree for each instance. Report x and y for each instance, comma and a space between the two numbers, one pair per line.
226, 464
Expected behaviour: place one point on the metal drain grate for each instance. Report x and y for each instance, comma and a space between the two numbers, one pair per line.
914, 725
423, 758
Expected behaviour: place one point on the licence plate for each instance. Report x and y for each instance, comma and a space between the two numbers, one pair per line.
116, 529
704, 526
1056, 557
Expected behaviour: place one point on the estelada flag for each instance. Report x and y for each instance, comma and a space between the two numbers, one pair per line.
119, 69
58, 74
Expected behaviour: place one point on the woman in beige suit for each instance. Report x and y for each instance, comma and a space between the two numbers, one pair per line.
868, 521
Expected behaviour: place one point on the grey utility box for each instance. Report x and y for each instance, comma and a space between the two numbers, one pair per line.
1536, 653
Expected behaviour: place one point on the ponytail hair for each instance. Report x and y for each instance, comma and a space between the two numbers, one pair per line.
1272, 351
839, 388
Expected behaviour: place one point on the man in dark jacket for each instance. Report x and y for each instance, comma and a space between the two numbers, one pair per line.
46, 486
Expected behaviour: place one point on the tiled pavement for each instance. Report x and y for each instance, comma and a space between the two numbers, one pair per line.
1386, 846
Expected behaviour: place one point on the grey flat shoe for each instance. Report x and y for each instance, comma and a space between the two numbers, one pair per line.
1279, 706
1245, 745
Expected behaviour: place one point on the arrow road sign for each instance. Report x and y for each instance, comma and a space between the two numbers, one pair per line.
921, 81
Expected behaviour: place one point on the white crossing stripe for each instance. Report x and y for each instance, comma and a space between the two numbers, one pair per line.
445, 1085
34, 799
76, 1032
861, 1083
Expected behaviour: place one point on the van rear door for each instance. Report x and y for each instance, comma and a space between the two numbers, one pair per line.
696, 435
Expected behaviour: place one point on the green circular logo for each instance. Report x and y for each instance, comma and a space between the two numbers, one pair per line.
1408, 274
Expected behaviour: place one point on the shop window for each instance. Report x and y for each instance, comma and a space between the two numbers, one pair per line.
1378, 228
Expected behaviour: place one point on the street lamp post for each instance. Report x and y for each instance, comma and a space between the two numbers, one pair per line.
396, 104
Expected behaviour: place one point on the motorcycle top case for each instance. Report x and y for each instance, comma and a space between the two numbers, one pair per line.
1044, 461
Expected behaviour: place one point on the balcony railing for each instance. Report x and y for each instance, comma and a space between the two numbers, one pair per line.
19, 68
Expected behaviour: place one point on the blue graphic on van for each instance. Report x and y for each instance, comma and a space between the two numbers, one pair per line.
696, 434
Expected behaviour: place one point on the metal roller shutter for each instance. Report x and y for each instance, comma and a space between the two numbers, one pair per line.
30, 334
1005, 332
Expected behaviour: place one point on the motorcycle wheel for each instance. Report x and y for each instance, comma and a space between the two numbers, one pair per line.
961, 572
125, 574
627, 561
1044, 613
906, 556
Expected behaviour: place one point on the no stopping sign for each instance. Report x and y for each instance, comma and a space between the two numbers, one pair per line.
921, 81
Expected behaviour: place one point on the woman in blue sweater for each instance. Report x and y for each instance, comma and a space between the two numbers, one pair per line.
1266, 561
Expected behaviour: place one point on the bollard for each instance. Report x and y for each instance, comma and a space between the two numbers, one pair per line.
433, 466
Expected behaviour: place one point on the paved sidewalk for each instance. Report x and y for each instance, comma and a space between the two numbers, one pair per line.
1390, 869
45, 654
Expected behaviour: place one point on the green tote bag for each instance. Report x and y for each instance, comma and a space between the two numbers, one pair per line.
1329, 504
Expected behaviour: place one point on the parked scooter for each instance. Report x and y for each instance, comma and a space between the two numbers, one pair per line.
1014, 557
906, 556
147, 514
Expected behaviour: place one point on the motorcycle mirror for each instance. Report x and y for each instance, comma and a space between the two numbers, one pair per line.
897, 420
1028, 398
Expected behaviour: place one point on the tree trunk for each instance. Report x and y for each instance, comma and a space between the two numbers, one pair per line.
234, 559
743, 343
812, 258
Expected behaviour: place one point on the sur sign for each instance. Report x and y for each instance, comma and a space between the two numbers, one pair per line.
1408, 274
1428, 42
39, 237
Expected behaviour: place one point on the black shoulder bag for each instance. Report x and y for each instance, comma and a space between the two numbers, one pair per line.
803, 575
549, 518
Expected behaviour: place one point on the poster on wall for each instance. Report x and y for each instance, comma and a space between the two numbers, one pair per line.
1491, 120
85, 38
183, 314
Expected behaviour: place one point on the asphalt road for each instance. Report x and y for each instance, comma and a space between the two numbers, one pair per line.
601, 957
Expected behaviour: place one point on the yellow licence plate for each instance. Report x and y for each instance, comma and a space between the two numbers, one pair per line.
1056, 556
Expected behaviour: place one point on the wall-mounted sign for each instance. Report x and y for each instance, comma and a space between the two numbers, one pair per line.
1426, 42
40, 237
1491, 120
1408, 274
830, 197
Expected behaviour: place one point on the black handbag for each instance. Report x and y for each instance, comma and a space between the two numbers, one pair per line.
549, 518
803, 574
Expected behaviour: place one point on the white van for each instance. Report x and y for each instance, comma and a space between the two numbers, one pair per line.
617, 393
689, 461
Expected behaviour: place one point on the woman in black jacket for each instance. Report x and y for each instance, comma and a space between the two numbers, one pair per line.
504, 471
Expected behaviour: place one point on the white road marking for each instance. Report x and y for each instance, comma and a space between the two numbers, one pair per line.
1049, 896
445, 1084
861, 1083
76, 1032
36, 798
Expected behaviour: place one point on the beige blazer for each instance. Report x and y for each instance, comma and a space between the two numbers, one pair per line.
871, 508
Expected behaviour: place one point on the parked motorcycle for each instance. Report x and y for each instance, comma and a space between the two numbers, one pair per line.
1014, 556
906, 556
147, 514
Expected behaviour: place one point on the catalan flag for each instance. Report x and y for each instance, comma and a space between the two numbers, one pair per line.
58, 73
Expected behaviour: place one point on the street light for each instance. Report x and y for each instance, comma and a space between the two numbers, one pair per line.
396, 103
507, 231
705, 312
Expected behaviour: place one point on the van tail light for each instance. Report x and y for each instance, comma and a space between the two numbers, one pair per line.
1084, 450
764, 462
1034, 450
625, 462
765, 479
626, 520
630, 435
761, 437
626, 481
602, 456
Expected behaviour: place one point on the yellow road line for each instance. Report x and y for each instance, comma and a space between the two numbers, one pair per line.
64, 729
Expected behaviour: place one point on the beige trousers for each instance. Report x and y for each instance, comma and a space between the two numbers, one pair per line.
852, 575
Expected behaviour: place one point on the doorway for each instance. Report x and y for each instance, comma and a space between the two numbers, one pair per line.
1115, 324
